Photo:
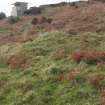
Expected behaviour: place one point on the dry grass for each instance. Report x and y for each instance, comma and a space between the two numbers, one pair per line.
19, 60
58, 53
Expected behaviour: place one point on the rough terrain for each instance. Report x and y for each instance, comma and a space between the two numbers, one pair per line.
55, 58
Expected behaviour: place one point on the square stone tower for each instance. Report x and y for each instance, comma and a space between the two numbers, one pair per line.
19, 8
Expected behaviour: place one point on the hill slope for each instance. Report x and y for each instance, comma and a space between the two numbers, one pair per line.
71, 19
43, 72
47, 65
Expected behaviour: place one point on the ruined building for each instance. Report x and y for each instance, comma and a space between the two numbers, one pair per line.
98, 0
19, 8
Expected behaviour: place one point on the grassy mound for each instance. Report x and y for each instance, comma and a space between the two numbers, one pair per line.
44, 72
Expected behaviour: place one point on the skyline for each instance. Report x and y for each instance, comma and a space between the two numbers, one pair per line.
6, 5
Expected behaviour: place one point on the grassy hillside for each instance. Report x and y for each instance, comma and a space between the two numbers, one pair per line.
55, 58
45, 71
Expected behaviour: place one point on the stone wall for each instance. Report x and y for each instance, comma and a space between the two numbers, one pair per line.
14, 11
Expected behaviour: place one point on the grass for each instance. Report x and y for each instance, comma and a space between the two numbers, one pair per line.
3, 31
38, 83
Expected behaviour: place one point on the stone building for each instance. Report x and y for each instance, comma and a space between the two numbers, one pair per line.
97, 0
19, 8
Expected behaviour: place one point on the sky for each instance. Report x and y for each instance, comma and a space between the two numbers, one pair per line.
6, 5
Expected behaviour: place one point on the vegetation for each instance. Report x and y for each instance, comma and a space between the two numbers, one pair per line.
33, 11
3, 31
2, 15
13, 19
54, 59
40, 77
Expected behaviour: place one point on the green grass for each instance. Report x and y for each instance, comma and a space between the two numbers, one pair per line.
3, 31
37, 84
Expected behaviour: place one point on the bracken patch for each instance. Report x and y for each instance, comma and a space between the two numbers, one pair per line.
97, 81
18, 60
102, 97
41, 20
89, 56
78, 56
68, 76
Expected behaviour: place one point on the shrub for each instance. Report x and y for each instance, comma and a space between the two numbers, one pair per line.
78, 56
18, 60
33, 11
13, 19
2, 15
94, 57
40, 20
90, 57
34, 21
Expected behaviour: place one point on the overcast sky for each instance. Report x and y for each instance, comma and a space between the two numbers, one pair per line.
5, 5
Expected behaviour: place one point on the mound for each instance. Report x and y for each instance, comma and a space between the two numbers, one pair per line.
61, 62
